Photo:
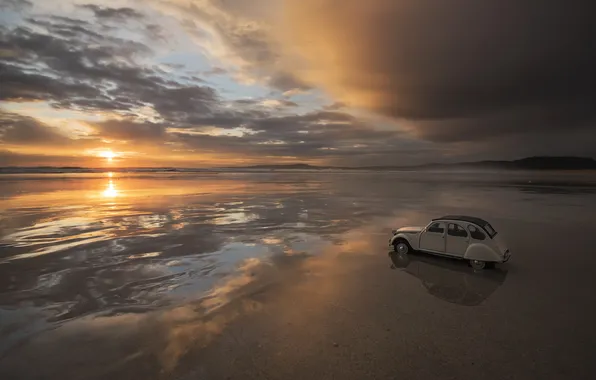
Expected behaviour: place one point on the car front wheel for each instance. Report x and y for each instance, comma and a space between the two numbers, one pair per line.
401, 247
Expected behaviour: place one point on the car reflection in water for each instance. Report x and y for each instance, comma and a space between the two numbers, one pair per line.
450, 280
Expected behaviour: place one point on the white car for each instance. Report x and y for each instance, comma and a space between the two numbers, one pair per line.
458, 236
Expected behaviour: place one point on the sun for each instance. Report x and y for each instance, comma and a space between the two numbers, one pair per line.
108, 155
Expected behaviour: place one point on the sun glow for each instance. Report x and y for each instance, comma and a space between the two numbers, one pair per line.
108, 155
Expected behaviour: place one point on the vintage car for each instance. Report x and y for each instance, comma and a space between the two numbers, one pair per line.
457, 236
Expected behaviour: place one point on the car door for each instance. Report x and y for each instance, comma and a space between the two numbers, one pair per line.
457, 240
433, 238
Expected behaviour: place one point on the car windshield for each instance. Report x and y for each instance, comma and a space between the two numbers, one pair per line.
491, 231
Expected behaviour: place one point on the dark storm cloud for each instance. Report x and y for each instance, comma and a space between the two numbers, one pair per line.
560, 119
581, 142
455, 70
113, 13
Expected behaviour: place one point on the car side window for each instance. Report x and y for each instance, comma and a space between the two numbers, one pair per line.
437, 228
456, 230
476, 233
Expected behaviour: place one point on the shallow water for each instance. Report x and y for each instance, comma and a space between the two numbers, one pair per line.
95, 249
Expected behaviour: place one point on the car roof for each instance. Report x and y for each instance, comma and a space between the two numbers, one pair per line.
464, 218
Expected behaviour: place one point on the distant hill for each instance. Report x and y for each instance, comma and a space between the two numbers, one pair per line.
556, 163
529, 163
535, 163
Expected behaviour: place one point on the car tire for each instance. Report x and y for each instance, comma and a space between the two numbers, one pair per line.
478, 264
402, 246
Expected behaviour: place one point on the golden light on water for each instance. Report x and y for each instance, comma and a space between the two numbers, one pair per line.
110, 191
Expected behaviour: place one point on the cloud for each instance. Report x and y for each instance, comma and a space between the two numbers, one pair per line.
18, 85
285, 81
183, 101
335, 106
459, 79
118, 14
216, 71
454, 70
8, 158
277, 103
80, 65
564, 118
87, 63
23, 130
75, 67
319, 136
15, 5
155, 32
239, 34
130, 131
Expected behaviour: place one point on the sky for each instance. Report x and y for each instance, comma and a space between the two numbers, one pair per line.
203, 83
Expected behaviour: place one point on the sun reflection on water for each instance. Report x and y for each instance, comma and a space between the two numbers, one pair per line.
110, 191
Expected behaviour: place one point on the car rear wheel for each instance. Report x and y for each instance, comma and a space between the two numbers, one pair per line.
478, 264
402, 247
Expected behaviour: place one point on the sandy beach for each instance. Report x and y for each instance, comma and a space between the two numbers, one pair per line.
289, 276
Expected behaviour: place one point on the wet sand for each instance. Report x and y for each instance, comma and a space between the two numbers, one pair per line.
288, 276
